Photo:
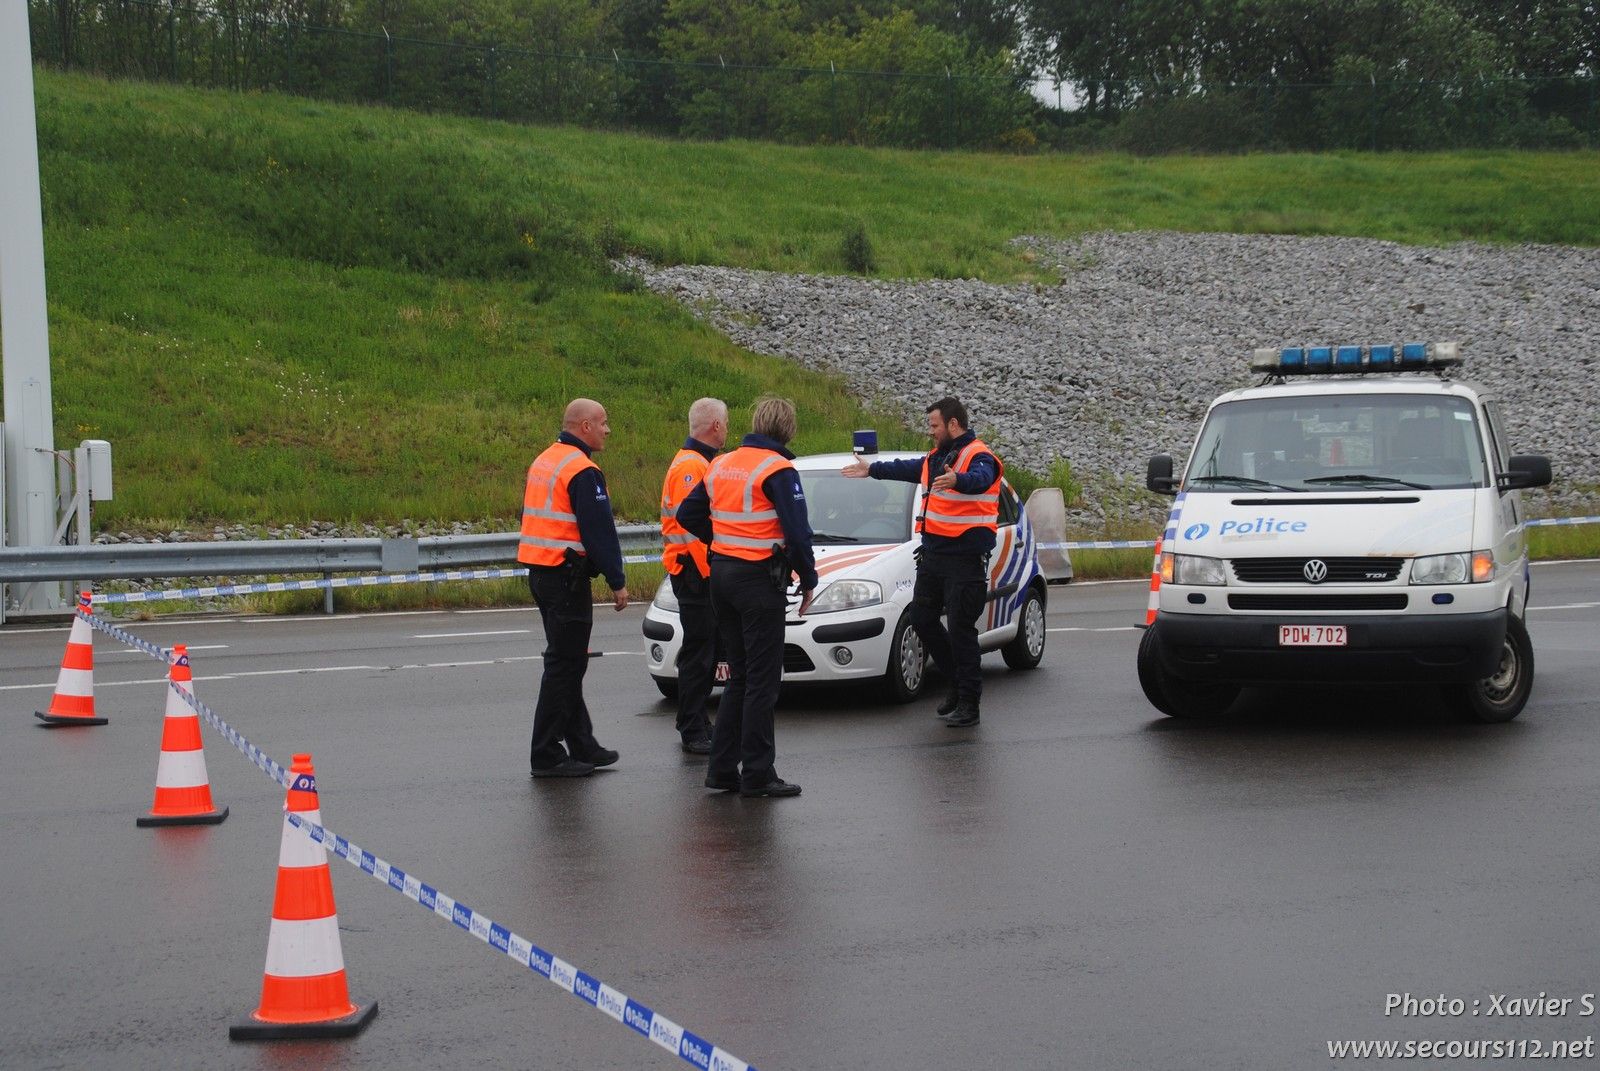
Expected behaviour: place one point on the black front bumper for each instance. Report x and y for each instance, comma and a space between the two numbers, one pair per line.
1431, 648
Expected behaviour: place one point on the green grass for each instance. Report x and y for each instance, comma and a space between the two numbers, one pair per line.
279, 310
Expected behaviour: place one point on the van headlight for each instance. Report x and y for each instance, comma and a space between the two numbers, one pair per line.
846, 595
1476, 567
665, 599
1192, 569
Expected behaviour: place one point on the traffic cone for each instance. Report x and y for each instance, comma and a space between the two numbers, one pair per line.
73, 703
1154, 604
183, 792
303, 993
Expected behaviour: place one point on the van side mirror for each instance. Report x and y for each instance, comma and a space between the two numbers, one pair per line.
1526, 470
1158, 475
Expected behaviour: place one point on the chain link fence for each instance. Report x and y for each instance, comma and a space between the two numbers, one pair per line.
232, 47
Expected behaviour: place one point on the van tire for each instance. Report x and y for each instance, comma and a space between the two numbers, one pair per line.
1174, 696
1502, 695
1026, 649
1151, 673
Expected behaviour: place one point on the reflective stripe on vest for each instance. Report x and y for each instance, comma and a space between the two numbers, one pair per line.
678, 543
743, 522
953, 513
549, 525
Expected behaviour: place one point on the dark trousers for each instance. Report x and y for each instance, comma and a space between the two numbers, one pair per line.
561, 715
954, 585
750, 608
697, 655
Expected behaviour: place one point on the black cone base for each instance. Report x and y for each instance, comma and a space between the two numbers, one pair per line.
56, 721
209, 818
253, 1029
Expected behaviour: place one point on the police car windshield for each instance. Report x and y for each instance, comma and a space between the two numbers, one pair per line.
843, 510
1340, 441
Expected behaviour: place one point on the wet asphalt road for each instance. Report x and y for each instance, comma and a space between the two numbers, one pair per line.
1079, 883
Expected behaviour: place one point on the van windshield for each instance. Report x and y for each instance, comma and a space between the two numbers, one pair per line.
1339, 442
843, 510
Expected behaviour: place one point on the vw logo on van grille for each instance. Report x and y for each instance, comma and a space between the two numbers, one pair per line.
1315, 571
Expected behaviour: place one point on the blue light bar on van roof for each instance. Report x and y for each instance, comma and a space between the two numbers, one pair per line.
1347, 360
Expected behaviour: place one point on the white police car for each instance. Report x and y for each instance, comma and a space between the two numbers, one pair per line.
1346, 521
858, 628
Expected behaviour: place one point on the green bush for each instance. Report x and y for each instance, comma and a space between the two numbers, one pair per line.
856, 249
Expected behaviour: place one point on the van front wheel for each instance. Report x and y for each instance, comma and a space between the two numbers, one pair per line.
1501, 695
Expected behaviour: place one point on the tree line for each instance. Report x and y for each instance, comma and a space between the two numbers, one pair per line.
1150, 75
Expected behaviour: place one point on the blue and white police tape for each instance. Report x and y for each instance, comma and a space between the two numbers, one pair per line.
688, 1046
1560, 522
218, 590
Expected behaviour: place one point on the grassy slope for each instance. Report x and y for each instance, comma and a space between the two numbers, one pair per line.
278, 309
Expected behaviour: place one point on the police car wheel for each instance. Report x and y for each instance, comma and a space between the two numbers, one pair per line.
667, 686
908, 663
1151, 673
1026, 650
1502, 695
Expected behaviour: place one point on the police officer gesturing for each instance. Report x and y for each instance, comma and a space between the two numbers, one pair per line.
568, 536
688, 571
960, 514
751, 509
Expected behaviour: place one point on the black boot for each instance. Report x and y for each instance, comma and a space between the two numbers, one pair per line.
951, 701
964, 715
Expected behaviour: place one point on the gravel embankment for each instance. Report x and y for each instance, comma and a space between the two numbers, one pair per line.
1120, 358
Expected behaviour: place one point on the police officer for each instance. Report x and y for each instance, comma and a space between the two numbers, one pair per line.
684, 558
568, 536
960, 513
752, 511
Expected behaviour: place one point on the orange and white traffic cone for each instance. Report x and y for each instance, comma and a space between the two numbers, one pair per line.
73, 703
183, 792
1154, 604
303, 993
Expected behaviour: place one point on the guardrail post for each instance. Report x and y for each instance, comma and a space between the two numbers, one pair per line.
327, 596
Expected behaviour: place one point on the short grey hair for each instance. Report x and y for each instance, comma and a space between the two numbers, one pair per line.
706, 412
774, 418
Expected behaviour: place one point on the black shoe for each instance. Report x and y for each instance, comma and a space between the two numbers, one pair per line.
602, 756
964, 715
697, 745
950, 703
776, 787
722, 784
568, 767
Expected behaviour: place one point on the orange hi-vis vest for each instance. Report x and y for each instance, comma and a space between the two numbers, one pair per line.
743, 522
549, 527
951, 513
678, 543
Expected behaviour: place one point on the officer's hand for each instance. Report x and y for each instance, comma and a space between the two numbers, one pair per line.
856, 469
805, 601
619, 598
945, 482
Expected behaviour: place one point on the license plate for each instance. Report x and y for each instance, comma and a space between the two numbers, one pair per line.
1313, 636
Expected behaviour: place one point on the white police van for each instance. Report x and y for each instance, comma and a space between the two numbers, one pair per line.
858, 629
1355, 517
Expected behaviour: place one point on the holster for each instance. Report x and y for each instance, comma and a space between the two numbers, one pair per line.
577, 570
778, 568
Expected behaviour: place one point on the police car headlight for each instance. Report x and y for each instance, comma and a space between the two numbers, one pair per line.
1192, 569
1475, 568
665, 599
846, 595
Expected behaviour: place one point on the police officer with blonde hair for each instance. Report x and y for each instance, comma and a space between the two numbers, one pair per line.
751, 510
960, 477
568, 536
689, 572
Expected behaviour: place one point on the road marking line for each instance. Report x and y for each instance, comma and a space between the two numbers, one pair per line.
1568, 606
498, 610
339, 617
464, 635
1076, 628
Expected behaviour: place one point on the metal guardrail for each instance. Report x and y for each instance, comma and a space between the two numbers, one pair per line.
262, 557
